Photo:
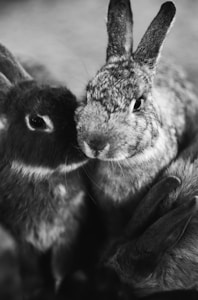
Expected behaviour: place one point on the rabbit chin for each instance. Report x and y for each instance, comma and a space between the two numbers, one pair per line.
104, 157
40, 172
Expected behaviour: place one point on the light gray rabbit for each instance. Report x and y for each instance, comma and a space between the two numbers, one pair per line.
164, 255
137, 114
42, 194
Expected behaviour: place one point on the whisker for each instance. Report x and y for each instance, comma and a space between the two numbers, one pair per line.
85, 68
65, 175
121, 169
90, 178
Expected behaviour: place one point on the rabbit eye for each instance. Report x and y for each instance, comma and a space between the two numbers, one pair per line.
137, 104
37, 122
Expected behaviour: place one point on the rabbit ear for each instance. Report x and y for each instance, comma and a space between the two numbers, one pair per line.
167, 231
149, 48
10, 68
5, 84
145, 211
119, 28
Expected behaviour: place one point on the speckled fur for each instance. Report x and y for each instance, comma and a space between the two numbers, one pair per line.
141, 143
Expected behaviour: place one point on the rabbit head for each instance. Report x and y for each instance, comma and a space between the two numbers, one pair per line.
139, 259
37, 127
120, 117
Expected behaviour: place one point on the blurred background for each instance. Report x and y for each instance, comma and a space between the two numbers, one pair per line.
69, 36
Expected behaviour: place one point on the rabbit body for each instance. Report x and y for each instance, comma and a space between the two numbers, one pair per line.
42, 193
163, 256
178, 268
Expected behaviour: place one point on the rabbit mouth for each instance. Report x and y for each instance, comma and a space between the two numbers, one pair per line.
103, 153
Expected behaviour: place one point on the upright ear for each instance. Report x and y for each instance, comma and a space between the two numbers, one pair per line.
149, 47
167, 231
119, 28
145, 212
11, 68
5, 84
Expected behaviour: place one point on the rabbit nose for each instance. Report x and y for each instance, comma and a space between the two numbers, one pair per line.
97, 144
96, 147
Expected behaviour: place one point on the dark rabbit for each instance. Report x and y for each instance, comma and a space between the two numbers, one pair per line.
163, 256
137, 114
42, 194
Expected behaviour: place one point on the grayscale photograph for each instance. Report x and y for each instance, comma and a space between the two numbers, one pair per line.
98, 150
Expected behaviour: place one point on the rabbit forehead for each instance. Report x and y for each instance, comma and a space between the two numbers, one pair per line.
44, 100
115, 86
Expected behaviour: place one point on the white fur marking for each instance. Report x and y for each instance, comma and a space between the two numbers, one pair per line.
3, 123
60, 191
7, 243
43, 172
79, 199
88, 150
48, 122
38, 172
72, 167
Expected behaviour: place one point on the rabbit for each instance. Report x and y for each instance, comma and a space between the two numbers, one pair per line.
160, 256
137, 114
42, 193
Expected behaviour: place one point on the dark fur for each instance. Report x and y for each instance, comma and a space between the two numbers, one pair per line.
10, 283
38, 148
43, 210
167, 254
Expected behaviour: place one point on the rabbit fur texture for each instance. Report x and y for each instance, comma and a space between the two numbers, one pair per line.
137, 114
42, 193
